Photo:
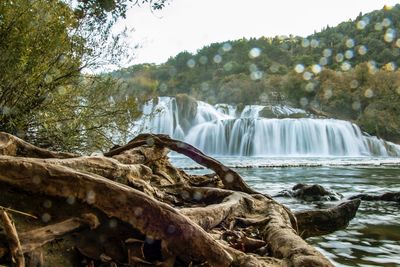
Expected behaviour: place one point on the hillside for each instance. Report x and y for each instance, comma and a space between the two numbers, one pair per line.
348, 71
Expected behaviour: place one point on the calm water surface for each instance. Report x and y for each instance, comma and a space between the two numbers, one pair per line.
373, 236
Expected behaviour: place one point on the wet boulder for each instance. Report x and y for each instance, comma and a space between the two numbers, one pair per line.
313, 192
187, 107
389, 196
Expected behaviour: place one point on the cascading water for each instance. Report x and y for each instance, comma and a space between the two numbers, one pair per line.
220, 131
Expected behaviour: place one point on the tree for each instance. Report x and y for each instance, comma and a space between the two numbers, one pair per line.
39, 53
44, 96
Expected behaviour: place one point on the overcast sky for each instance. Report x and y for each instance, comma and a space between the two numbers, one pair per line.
191, 24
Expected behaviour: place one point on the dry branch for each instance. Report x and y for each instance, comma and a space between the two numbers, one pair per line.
13, 240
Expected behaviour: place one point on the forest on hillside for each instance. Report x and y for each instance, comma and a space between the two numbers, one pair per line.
349, 71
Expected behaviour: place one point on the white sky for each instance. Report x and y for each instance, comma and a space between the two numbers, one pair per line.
191, 24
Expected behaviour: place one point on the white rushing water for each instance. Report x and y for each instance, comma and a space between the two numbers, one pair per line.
220, 130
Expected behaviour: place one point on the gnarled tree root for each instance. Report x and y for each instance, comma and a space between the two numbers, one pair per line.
14, 146
146, 214
229, 177
217, 226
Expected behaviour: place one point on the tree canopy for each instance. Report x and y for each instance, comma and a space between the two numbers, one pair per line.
44, 95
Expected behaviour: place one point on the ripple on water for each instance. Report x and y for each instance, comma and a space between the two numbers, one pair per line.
373, 236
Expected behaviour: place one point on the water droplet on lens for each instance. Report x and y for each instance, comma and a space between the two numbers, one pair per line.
307, 75
303, 101
339, 57
138, 211
299, 68
369, 93
354, 84
327, 52
150, 141
71, 200
47, 204
316, 68
217, 59
197, 196
203, 60
46, 217
362, 50
191, 63
171, 229
90, 197
226, 47
350, 43
229, 178
254, 52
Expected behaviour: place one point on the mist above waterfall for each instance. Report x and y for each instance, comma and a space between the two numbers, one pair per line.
223, 130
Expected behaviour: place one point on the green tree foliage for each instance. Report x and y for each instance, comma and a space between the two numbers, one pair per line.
102, 10
38, 54
85, 116
44, 45
371, 37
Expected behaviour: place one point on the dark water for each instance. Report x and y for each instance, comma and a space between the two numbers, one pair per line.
373, 237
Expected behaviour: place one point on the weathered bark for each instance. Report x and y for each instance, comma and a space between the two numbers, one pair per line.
322, 222
13, 240
13, 146
151, 217
281, 237
229, 177
34, 258
218, 225
36, 238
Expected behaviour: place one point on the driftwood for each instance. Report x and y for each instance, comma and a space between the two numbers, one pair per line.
162, 215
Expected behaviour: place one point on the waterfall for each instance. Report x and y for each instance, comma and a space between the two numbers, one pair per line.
222, 130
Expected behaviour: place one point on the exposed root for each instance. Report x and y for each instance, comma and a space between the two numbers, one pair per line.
162, 216
13, 240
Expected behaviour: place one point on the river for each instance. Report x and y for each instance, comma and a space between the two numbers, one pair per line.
373, 236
